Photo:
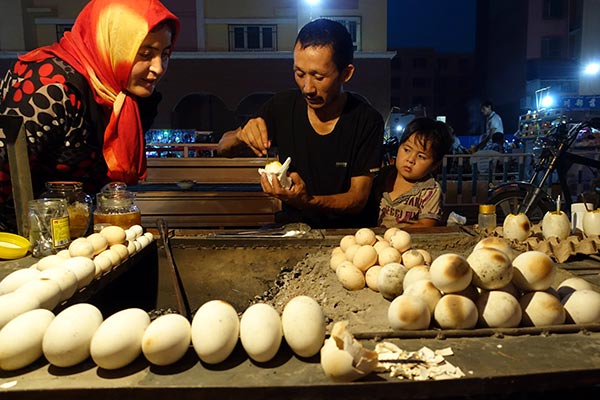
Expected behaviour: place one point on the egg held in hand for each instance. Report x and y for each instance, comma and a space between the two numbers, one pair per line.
275, 168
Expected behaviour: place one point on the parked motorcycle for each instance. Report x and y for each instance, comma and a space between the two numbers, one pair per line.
552, 156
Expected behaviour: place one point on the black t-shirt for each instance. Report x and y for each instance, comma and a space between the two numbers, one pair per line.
326, 163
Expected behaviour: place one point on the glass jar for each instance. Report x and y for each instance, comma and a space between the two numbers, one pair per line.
115, 205
487, 217
47, 226
79, 205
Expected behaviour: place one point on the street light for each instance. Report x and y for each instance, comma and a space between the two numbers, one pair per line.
592, 68
312, 2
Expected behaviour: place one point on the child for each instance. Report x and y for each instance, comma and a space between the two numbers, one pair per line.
410, 196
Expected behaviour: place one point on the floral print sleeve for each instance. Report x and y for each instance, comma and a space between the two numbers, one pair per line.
60, 139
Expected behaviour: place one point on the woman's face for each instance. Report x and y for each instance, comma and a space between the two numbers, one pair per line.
150, 63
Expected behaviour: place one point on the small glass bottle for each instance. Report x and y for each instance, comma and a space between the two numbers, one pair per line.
487, 217
115, 205
48, 226
79, 205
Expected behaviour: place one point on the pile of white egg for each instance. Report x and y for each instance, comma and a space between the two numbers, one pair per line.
79, 332
493, 287
57, 277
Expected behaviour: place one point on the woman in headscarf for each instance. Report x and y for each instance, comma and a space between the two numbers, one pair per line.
84, 99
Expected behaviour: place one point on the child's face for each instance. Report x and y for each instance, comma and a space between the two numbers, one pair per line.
413, 161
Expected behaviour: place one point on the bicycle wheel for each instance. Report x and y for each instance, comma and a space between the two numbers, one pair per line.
509, 201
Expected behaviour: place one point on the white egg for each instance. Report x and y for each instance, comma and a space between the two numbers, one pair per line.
372, 277
167, 339
215, 331
425, 290
303, 324
426, 256
118, 340
143, 241
516, 227
583, 307
21, 339
556, 224
113, 256
498, 309
113, 234
64, 253
149, 236
401, 241
67, 340
492, 268
261, 332
456, 312
50, 261
350, 276
365, 257
351, 251
347, 241
389, 233
65, 278
497, 243
17, 278
389, 255
380, 245
390, 279
408, 312
137, 229
541, 309
98, 241
450, 273
570, 285
416, 273
84, 270
47, 291
412, 258
103, 264
365, 236
14, 304
533, 270
121, 250
131, 249
336, 260
130, 235
81, 247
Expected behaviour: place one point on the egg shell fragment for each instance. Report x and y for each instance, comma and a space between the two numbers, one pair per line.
166, 339
215, 331
21, 339
304, 326
118, 340
67, 340
261, 332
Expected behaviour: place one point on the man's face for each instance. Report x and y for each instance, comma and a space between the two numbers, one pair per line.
486, 110
317, 75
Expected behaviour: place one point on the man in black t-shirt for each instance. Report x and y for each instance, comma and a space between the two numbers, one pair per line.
333, 138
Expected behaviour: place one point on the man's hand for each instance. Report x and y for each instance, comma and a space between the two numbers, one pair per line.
296, 196
254, 134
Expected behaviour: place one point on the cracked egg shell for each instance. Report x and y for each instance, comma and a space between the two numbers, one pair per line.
450, 273
215, 331
408, 312
343, 358
492, 268
556, 224
304, 326
533, 270
516, 227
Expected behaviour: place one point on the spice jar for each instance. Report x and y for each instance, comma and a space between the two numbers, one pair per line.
115, 205
48, 226
487, 217
79, 205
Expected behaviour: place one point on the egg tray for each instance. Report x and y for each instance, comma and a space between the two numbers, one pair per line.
559, 250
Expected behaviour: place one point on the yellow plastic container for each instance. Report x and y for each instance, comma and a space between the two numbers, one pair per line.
13, 246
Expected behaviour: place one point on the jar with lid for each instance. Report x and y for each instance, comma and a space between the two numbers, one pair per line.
486, 219
79, 205
115, 205
47, 226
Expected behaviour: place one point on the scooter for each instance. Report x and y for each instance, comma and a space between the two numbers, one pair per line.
529, 197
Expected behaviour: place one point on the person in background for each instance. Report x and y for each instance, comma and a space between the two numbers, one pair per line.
493, 135
334, 139
407, 193
87, 99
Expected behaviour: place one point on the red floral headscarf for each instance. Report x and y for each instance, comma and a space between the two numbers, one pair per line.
102, 46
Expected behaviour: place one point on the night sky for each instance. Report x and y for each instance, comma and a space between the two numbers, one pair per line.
445, 25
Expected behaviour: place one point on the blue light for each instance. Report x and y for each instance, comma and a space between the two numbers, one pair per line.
592, 68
